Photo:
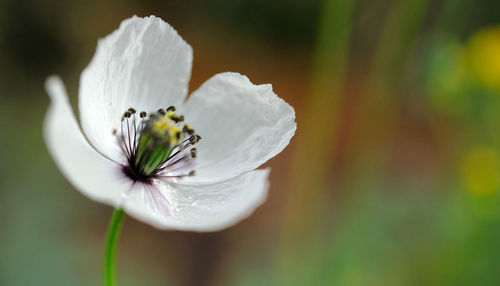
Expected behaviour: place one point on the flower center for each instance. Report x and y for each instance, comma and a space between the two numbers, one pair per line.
155, 145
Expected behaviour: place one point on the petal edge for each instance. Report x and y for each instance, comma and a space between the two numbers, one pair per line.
144, 64
88, 171
243, 125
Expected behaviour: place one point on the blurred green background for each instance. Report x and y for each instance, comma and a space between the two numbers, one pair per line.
393, 177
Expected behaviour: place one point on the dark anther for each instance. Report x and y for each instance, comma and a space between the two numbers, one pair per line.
193, 153
131, 110
161, 111
143, 114
192, 139
188, 130
178, 135
192, 173
181, 118
127, 114
175, 119
114, 131
171, 108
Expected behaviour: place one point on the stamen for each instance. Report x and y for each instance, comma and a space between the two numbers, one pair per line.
128, 132
194, 139
188, 129
156, 146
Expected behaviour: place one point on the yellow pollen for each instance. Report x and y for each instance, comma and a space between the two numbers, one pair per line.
165, 126
169, 115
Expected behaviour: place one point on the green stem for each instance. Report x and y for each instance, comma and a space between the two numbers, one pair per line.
111, 242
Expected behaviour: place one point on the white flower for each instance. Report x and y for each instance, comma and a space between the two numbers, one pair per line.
145, 65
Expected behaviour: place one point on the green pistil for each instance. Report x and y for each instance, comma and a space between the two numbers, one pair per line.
151, 153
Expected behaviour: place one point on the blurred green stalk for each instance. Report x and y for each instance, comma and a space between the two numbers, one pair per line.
315, 141
380, 103
374, 124
308, 220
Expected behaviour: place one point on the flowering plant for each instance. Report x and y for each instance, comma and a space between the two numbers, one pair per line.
137, 152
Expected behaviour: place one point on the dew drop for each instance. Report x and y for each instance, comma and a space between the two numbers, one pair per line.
178, 209
190, 197
195, 203
124, 195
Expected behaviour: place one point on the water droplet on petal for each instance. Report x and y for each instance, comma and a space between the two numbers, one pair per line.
195, 203
124, 195
190, 197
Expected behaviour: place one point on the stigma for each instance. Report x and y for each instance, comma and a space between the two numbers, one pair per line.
156, 145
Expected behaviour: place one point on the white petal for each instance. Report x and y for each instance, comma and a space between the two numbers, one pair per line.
144, 64
242, 125
88, 171
199, 208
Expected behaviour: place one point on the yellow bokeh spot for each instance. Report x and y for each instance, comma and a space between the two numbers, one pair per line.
481, 170
484, 56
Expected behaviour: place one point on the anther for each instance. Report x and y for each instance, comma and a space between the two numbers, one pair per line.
131, 110
127, 114
161, 111
174, 117
114, 131
171, 108
192, 173
188, 129
192, 139
193, 153
143, 114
